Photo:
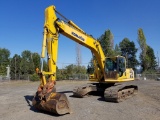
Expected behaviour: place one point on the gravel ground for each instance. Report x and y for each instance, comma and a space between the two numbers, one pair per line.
15, 103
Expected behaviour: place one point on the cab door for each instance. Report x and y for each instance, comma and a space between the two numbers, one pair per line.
121, 66
111, 69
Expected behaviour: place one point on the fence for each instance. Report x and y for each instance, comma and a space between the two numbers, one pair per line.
81, 77
148, 76
4, 78
17, 77
70, 77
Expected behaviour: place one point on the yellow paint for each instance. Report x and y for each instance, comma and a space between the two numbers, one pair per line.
54, 27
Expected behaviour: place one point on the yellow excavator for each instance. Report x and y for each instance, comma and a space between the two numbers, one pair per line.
109, 72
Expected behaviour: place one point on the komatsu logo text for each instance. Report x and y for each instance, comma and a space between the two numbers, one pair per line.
80, 37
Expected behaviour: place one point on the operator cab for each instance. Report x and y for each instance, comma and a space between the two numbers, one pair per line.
115, 67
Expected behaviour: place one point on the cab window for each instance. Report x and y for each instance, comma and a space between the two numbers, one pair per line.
110, 65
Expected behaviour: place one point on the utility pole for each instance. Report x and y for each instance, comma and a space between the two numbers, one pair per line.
78, 55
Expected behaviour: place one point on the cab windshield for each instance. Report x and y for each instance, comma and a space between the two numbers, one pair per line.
110, 65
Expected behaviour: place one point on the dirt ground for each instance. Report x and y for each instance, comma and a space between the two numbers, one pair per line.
15, 103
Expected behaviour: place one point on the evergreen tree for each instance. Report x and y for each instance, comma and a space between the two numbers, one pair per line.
36, 60
27, 64
152, 58
4, 60
106, 41
129, 51
15, 67
117, 50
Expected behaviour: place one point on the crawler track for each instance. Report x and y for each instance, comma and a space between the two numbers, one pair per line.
115, 93
120, 92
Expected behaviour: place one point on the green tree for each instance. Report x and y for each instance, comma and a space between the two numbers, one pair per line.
106, 41
81, 69
150, 60
15, 67
27, 64
117, 50
129, 51
45, 65
36, 60
143, 45
59, 74
72, 69
4, 60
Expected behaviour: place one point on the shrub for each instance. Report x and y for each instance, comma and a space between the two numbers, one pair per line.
34, 77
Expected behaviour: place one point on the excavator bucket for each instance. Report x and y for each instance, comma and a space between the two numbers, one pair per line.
53, 102
47, 99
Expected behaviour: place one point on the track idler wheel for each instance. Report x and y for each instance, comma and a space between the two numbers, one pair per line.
53, 102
